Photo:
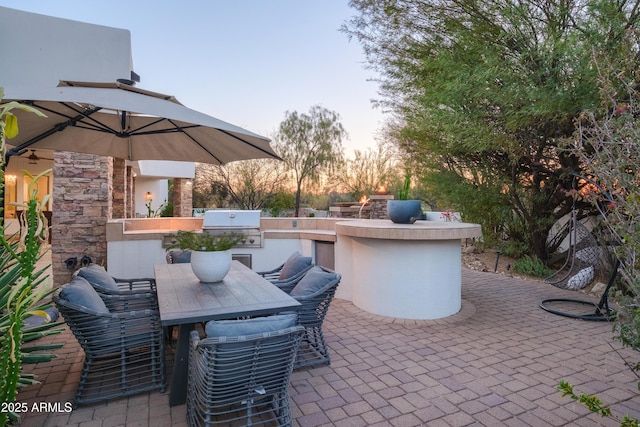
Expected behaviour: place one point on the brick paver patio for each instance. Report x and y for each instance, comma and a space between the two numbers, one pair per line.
497, 362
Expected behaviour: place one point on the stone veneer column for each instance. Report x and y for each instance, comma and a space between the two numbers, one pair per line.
131, 194
81, 208
182, 197
378, 203
120, 198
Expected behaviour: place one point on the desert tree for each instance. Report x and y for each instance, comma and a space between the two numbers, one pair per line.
310, 145
362, 173
486, 91
245, 184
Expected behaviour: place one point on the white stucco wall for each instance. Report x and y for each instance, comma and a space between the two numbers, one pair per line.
40, 50
159, 189
166, 169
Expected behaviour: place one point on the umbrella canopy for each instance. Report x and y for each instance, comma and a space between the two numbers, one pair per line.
120, 120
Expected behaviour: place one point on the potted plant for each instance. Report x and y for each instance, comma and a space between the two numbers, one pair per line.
404, 210
210, 254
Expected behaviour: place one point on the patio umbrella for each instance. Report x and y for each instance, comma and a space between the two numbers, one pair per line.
120, 120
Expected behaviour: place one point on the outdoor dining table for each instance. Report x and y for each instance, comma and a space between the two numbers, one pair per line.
184, 301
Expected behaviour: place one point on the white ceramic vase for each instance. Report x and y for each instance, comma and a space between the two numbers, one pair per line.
211, 266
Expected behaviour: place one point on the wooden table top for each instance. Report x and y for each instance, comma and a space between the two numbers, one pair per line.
183, 299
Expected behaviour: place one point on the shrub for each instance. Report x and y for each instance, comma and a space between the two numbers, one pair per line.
531, 266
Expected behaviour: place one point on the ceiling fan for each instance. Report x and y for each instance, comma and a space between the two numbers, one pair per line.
33, 158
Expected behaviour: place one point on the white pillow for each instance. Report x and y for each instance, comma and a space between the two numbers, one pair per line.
582, 278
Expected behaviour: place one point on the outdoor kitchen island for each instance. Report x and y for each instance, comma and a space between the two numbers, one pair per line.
409, 271
136, 245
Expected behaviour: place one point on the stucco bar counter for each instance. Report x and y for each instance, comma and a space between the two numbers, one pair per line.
409, 271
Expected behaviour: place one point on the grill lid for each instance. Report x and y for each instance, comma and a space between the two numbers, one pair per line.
227, 218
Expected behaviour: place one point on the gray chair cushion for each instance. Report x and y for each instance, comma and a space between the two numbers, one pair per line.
97, 275
177, 256
257, 325
294, 265
37, 320
312, 282
80, 292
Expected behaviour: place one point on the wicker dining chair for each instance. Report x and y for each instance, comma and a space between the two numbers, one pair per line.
178, 256
242, 379
287, 275
314, 291
141, 293
124, 350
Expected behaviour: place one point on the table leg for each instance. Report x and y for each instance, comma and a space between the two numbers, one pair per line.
178, 393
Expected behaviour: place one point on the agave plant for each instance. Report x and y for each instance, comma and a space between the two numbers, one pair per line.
403, 194
23, 288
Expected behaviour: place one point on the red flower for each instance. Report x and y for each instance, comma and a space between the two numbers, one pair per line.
621, 109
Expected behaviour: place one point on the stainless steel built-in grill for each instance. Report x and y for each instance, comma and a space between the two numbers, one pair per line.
246, 223
221, 221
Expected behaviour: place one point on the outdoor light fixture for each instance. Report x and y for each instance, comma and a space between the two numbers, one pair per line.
71, 263
148, 196
85, 260
33, 158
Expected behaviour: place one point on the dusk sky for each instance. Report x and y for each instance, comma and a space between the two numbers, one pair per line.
243, 61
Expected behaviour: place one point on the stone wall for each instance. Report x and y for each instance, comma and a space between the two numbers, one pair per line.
131, 194
348, 211
120, 198
378, 204
375, 208
82, 204
182, 197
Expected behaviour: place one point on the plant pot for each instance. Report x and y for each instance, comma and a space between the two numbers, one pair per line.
404, 211
210, 266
